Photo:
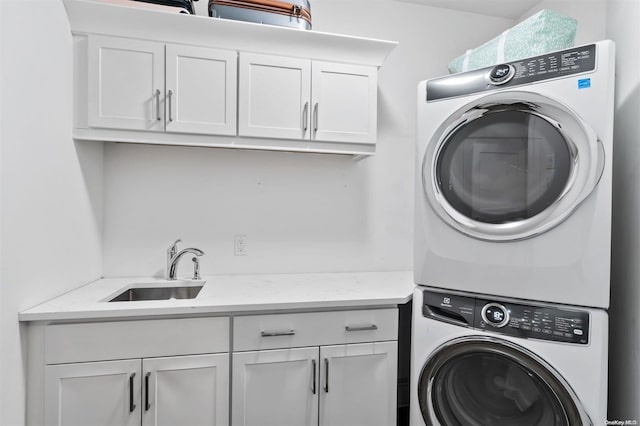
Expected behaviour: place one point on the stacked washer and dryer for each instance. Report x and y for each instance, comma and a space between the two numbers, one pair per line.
512, 245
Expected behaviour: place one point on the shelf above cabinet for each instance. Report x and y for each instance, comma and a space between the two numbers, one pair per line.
86, 16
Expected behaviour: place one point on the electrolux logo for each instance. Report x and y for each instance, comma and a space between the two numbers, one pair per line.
446, 301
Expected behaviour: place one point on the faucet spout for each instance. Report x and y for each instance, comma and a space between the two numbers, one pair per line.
174, 258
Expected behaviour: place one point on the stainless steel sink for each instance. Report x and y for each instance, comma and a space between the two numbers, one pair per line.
158, 293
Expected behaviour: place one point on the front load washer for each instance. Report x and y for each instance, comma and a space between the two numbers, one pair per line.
480, 360
513, 191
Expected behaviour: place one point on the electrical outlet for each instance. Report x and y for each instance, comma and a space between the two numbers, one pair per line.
240, 245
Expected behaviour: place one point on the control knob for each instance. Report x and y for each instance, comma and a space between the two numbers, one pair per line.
495, 315
501, 74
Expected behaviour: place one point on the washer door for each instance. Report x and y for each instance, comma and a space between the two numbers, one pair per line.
486, 381
510, 166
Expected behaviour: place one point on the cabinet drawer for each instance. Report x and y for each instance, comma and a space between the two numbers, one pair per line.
258, 332
135, 339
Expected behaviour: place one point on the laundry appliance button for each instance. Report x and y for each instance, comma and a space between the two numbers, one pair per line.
495, 315
501, 74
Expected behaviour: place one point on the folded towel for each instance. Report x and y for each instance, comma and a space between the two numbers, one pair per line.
543, 32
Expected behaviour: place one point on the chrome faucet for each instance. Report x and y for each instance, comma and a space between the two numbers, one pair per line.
174, 256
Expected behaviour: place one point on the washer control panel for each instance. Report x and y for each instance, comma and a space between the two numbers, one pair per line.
539, 322
533, 321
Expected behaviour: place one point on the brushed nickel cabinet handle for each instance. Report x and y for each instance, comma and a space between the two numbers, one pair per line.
363, 328
277, 333
315, 117
313, 376
169, 101
305, 116
158, 118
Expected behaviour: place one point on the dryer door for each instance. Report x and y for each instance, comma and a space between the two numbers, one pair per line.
480, 380
510, 166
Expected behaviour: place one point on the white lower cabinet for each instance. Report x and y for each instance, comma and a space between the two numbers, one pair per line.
190, 390
358, 384
142, 372
298, 369
276, 388
184, 390
93, 393
327, 384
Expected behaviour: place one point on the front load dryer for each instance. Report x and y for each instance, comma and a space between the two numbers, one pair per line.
480, 360
513, 191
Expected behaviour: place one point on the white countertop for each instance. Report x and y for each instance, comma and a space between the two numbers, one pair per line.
229, 294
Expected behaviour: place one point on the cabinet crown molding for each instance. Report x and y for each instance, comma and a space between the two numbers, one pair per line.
94, 17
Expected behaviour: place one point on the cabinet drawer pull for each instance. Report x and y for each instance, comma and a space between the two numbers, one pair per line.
132, 406
277, 333
169, 102
158, 118
313, 376
363, 328
146, 392
326, 375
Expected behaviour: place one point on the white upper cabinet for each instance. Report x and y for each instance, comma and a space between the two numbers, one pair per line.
201, 90
292, 98
130, 88
126, 84
143, 76
274, 96
344, 103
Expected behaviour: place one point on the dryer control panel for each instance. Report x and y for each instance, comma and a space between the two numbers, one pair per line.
576, 60
534, 321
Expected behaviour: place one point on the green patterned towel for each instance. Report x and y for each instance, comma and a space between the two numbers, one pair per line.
543, 32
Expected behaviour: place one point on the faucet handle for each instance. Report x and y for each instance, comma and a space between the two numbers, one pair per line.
196, 268
173, 247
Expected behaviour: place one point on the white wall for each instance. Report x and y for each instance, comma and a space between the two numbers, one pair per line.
50, 227
300, 212
590, 14
623, 17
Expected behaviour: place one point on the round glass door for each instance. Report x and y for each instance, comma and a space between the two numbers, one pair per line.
504, 166
511, 166
479, 381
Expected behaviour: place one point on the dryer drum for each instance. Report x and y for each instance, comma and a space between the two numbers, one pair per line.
487, 381
511, 166
504, 167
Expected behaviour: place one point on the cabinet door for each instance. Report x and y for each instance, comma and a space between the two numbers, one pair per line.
358, 384
274, 97
276, 387
93, 393
344, 103
186, 390
201, 90
126, 84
